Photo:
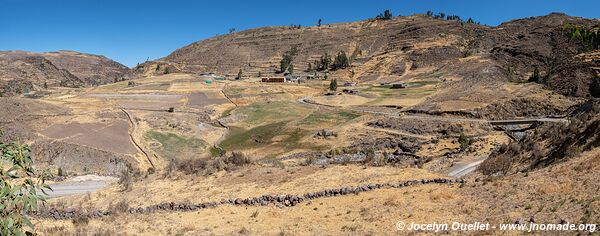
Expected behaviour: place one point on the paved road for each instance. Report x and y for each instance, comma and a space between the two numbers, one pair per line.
461, 169
79, 185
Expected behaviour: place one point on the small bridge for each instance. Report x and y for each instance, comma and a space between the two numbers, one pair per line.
529, 121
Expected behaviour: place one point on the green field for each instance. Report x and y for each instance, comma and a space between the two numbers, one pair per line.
175, 146
328, 117
261, 113
262, 136
414, 89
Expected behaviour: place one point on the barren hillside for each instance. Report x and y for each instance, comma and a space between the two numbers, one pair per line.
27, 71
390, 49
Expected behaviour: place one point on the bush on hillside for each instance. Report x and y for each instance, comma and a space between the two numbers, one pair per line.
208, 166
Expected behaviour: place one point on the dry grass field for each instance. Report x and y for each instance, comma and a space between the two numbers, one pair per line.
466, 137
269, 124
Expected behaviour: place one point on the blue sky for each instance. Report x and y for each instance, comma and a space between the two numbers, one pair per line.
131, 31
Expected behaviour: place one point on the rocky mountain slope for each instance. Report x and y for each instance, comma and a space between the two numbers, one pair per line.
403, 48
22, 71
26, 74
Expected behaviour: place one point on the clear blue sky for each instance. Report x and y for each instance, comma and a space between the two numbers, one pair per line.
131, 31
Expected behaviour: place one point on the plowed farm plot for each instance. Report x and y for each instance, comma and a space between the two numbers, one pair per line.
112, 137
151, 101
152, 86
200, 99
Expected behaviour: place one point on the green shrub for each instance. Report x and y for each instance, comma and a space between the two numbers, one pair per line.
464, 142
589, 36
21, 191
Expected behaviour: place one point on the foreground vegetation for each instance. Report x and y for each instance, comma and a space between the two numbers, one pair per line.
21, 189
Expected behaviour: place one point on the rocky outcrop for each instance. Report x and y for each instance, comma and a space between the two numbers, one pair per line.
548, 144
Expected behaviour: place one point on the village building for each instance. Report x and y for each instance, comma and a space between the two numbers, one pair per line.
398, 86
273, 79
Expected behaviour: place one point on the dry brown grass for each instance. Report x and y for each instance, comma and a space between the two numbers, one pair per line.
331, 216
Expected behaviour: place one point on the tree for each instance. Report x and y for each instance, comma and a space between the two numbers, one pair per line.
45, 85
340, 62
429, 13
324, 62
386, 15
333, 85
319, 22
232, 30
288, 57
21, 190
309, 68
470, 21
453, 17
167, 70
239, 75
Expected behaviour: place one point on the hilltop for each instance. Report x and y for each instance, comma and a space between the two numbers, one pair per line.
28, 71
400, 49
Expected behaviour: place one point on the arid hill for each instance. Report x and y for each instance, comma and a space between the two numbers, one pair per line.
389, 50
27, 71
